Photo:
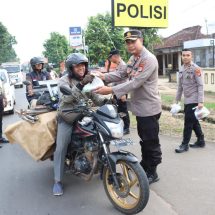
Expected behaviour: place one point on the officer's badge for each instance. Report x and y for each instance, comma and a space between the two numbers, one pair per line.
129, 69
198, 72
129, 34
188, 76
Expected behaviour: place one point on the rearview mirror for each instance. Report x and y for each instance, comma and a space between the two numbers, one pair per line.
66, 90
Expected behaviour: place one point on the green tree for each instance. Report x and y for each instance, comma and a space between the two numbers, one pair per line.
56, 48
101, 38
151, 37
7, 52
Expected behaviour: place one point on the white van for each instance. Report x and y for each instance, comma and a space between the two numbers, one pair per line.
9, 91
14, 72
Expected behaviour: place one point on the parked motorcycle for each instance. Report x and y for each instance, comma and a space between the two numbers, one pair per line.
93, 137
45, 97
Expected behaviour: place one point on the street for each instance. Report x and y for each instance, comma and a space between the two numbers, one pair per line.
186, 185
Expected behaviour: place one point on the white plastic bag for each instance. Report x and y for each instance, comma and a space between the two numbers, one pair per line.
97, 82
175, 108
201, 113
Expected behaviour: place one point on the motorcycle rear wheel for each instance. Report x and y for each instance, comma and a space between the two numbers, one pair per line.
133, 195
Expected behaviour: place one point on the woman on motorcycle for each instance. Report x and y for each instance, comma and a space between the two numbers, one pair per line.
77, 77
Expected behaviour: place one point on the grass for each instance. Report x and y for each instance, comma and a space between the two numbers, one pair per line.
173, 126
169, 99
133, 121
210, 106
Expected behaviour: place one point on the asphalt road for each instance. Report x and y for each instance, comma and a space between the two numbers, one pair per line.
186, 186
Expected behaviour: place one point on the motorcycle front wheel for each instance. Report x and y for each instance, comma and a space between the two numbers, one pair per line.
133, 193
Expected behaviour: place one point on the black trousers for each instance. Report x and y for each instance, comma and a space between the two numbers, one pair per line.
191, 123
148, 131
1, 114
122, 107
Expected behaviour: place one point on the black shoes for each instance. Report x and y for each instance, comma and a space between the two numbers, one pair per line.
3, 140
198, 144
126, 131
152, 178
182, 148
151, 173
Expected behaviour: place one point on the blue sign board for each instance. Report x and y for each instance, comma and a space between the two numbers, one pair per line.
75, 30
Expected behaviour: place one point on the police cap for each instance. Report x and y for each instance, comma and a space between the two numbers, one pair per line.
132, 35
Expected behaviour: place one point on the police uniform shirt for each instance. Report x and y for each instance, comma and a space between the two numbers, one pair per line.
142, 84
120, 66
190, 82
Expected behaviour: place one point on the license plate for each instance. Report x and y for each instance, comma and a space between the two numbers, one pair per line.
122, 142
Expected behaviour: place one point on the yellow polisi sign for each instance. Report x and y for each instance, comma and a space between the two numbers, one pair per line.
140, 13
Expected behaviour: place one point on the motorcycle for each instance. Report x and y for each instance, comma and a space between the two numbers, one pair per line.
89, 153
96, 133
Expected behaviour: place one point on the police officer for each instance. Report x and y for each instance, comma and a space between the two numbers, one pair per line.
191, 83
3, 104
37, 74
145, 102
114, 57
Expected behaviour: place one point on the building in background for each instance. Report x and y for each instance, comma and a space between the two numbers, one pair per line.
169, 52
202, 46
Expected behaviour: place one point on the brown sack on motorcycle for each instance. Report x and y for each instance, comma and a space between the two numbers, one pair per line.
36, 138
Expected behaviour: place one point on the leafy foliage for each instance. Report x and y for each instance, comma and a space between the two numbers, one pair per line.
56, 48
151, 37
7, 52
101, 38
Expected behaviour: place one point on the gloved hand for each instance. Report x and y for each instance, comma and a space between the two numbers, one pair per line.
87, 79
43, 99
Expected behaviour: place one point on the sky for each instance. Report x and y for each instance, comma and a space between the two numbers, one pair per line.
31, 22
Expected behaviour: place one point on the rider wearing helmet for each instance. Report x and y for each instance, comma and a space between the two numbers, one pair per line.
77, 76
37, 74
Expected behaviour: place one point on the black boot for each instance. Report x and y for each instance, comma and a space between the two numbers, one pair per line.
126, 131
200, 143
144, 166
152, 175
182, 148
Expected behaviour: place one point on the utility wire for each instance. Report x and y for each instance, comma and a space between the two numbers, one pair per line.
193, 6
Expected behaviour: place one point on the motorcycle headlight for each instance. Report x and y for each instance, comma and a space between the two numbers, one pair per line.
116, 129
